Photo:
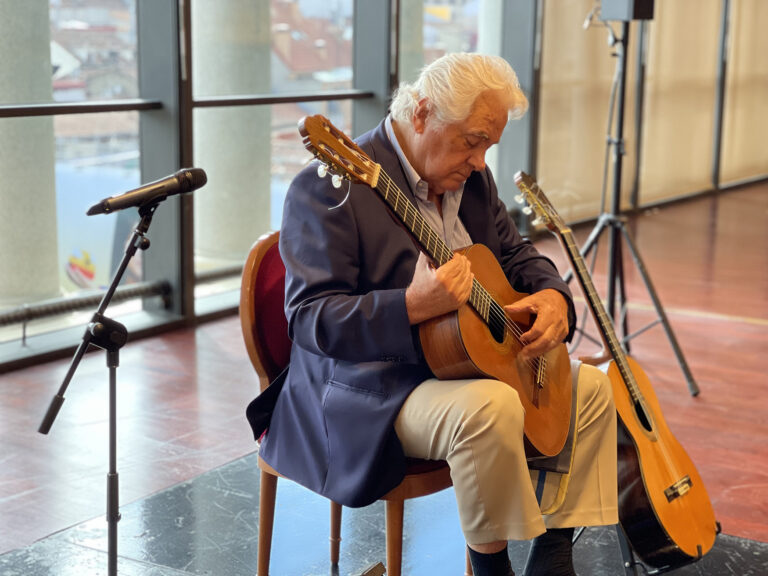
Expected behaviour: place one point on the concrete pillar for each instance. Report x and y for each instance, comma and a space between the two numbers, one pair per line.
231, 56
489, 38
28, 245
411, 49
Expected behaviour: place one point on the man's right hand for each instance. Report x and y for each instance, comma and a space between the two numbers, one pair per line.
437, 291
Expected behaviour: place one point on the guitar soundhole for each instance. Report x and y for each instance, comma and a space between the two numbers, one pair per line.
642, 417
497, 331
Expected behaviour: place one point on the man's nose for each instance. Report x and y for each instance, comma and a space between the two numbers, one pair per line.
477, 160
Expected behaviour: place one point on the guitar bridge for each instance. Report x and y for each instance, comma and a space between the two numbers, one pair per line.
538, 379
679, 488
541, 365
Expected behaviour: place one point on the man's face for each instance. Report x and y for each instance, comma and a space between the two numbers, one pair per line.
445, 155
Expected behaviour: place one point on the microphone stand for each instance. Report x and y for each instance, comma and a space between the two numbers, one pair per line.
110, 336
615, 225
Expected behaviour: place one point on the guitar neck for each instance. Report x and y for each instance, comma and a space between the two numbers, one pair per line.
427, 239
598, 311
431, 243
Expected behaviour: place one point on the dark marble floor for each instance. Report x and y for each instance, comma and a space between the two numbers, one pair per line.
208, 526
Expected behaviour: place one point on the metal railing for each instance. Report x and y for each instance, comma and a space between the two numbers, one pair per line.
55, 306
56, 108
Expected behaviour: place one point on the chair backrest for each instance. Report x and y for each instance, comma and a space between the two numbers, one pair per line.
262, 318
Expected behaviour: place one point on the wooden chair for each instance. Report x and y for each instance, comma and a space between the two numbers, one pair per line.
265, 331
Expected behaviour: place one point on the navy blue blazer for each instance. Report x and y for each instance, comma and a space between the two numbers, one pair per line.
355, 358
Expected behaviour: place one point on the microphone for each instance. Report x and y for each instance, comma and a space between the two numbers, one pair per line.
184, 180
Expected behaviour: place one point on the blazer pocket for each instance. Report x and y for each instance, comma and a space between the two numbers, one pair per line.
356, 424
355, 389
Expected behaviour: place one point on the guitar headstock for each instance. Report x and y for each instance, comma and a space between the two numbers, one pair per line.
337, 151
538, 202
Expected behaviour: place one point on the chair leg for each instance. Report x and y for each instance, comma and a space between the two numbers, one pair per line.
267, 495
335, 532
468, 570
394, 520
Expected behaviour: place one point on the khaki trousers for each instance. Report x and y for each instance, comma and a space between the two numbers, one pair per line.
477, 427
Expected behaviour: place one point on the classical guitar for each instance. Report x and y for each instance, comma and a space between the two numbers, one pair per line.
478, 340
664, 508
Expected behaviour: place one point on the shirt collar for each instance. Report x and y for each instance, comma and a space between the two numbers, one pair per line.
419, 186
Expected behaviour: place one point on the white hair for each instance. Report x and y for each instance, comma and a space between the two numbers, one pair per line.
452, 83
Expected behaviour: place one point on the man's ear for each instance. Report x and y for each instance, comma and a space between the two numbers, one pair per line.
420, 116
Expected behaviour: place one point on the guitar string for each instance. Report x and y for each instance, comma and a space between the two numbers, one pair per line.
444, 255
541, 204
569, 243
613, 343
495, 312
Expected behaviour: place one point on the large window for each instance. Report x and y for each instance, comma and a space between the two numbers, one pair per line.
93, 53
279, 49
100, 96
55, 167
430, 29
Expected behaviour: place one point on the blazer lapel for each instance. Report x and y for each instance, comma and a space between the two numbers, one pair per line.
383, 153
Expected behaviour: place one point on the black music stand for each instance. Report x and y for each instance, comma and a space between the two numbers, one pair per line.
613, 222
110, 336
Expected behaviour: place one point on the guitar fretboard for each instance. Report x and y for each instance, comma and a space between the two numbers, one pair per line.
601, 316
433, 245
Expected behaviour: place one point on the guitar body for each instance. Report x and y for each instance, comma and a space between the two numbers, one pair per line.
663, 532
478, 340
460, 345
664, 508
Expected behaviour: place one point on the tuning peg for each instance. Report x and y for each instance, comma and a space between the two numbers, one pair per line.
526, 210
519, 198
336, 181
537, 222
322, 170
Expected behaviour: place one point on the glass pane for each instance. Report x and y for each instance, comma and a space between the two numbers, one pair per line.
250, 155
97, 155
430, 29
51, 249
54, 168
271, 46
68, 51
93, 50
745, 124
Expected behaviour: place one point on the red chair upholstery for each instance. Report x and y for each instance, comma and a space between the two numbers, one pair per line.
265, 331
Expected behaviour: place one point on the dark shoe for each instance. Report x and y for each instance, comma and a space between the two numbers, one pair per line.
551, 554
496, 564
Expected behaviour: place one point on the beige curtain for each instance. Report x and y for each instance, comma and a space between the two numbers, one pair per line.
745, 125
679, 113
679, 107
577, 71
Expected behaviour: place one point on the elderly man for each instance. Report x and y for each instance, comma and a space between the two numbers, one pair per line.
359, 396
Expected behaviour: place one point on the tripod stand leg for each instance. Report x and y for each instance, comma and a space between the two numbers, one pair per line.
627, 556
616, 272
692, 386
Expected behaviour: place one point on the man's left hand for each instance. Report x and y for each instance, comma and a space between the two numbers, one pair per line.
551, 325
